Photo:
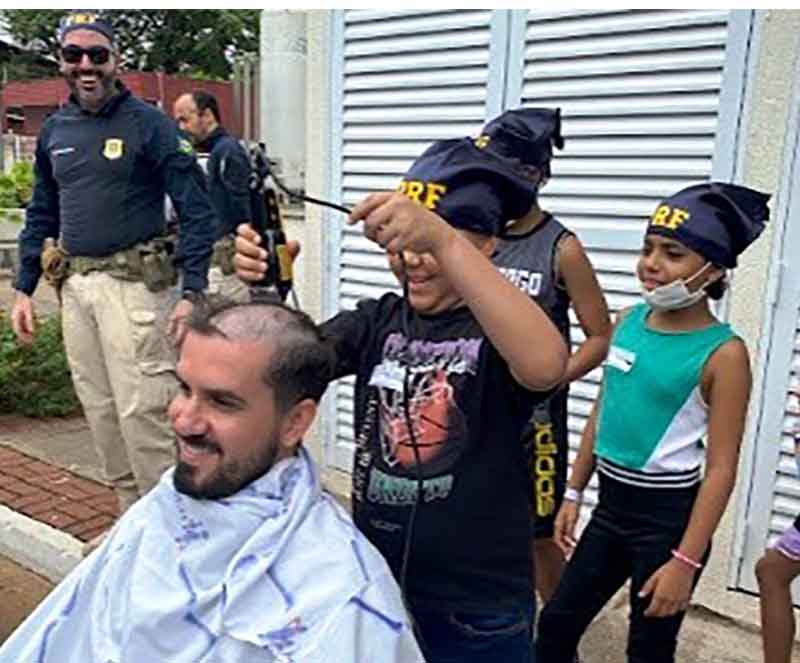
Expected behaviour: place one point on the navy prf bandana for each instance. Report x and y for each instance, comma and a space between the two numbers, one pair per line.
526, 134
470, 188
715, 219
85, 19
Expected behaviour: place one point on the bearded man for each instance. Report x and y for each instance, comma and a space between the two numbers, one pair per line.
237, 555
103, 165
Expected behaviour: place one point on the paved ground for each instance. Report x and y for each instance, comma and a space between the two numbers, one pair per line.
20, 593
705, 638
53, 495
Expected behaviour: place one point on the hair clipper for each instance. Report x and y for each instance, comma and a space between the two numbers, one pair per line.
267, 222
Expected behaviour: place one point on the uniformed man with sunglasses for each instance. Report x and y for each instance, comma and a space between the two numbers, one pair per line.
104, 162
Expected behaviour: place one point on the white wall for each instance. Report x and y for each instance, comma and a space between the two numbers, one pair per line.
767, 106
308, 223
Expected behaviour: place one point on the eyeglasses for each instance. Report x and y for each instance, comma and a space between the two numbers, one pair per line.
74, 54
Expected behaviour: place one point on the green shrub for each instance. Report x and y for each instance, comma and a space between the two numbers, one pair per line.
35, 380
22, 174
16, 188
8, 192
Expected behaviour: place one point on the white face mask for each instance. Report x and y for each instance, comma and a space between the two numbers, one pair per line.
674, 296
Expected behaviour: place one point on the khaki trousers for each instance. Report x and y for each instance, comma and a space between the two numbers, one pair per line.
123, 369
228, 287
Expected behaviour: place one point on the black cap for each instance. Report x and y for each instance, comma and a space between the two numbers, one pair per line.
85, 19
470, 188
526, 134
715, 219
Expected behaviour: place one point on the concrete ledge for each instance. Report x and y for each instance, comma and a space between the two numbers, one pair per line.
36, 546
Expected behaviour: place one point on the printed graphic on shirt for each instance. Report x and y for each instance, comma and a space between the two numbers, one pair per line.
436, 370
543, 461
527, 281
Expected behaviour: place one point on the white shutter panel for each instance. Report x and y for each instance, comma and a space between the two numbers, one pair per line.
772, 485
407, 78
786, 492
640, 99
770, 495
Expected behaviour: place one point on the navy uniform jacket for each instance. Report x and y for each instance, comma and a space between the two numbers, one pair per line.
228, 172
100, 184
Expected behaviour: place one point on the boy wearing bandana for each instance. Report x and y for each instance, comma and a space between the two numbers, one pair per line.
445, 381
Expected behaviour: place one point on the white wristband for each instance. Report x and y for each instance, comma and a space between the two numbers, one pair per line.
573, 495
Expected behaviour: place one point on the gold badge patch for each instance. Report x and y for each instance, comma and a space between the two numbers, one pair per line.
113, 148
482, 141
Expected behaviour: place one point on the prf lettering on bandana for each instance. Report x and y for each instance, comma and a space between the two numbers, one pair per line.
424, 193
669, 217
81, 18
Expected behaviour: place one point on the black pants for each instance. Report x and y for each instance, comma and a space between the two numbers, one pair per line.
630, 535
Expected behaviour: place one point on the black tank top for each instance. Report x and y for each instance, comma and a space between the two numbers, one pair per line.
529, 261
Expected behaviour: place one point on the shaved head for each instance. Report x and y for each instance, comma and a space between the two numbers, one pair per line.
300, 362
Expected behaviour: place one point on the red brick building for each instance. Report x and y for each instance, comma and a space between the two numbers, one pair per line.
28, 103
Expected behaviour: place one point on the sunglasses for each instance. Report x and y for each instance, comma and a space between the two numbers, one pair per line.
74, 54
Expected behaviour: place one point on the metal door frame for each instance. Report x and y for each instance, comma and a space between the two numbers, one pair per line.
761, 452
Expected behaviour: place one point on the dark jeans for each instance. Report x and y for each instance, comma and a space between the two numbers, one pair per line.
455, 637
630, 535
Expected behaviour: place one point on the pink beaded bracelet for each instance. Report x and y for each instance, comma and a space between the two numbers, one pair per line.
677, 554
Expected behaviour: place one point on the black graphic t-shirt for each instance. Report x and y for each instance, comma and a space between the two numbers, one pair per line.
471, 539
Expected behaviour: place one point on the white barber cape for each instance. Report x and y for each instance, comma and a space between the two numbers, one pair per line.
275, 573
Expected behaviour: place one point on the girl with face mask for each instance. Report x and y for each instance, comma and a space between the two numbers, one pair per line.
664, 434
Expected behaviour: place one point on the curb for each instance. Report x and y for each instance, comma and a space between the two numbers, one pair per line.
43, 549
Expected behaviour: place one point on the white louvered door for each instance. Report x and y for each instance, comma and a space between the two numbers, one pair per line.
650, 101
641, 94
406, 78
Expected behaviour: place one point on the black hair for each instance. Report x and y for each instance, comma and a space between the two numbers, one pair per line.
301, 364
717, 289
536, 174
206, 101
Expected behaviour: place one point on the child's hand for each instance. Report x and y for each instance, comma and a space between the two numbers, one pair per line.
397, 224
564, 527
670, 587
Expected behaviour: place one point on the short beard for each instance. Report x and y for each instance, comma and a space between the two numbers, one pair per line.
106, 83
229, 478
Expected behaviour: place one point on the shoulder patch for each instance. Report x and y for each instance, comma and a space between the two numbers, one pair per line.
185, 147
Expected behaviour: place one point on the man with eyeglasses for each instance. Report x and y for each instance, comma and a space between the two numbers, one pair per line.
103, 165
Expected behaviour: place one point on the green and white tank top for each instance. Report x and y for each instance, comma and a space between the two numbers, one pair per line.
653, 420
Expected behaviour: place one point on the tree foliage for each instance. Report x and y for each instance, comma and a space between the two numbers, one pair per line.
191, 42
